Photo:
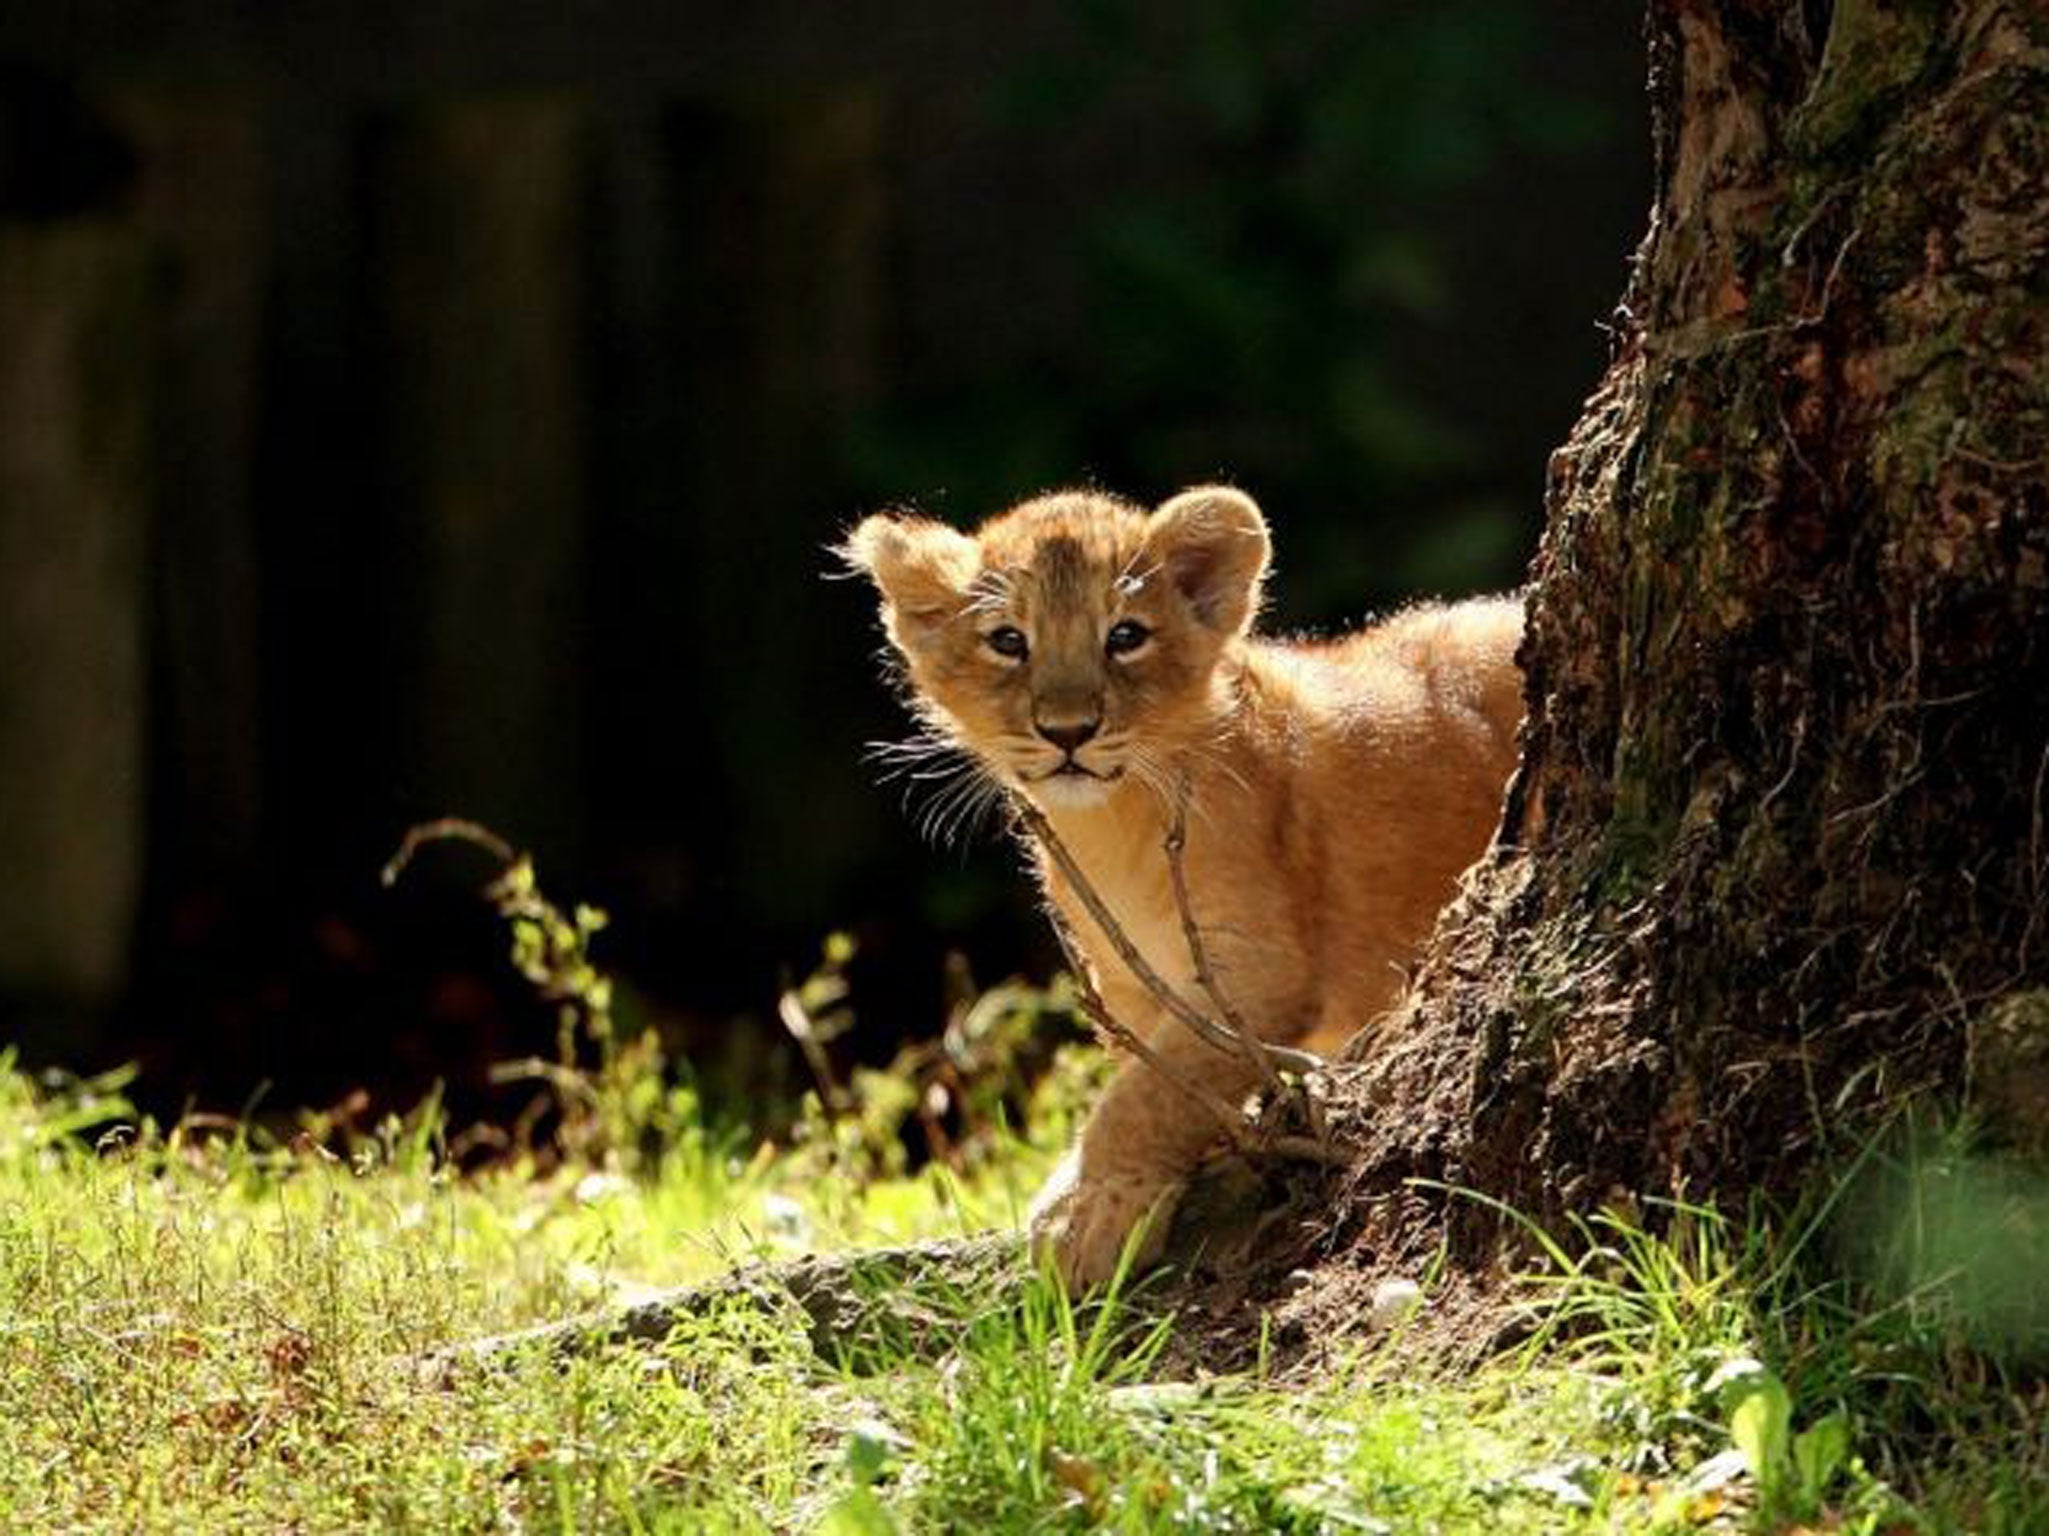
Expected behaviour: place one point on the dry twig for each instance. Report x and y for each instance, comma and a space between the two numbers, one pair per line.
446, 829
1232, 1037
1229, 1118
1241, 1037
1205, 1028
1265, 1056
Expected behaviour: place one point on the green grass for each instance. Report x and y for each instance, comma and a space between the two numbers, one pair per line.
212, 1332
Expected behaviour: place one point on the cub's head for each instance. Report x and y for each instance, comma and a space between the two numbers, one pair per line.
1073, 641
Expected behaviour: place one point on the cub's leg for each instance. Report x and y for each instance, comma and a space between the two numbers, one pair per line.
1133, 1159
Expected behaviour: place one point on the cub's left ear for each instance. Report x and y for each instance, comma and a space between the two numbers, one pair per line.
1213, 544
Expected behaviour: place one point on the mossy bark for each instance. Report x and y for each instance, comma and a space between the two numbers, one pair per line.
1778, 841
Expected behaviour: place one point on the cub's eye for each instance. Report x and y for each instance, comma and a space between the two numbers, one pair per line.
1007, 640
1126, 636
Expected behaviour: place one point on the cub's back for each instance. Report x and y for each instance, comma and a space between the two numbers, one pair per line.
1437, 675
1463, 654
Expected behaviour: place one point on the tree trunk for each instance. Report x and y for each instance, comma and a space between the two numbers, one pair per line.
1776, 859
482, 290
201, 208
74, 510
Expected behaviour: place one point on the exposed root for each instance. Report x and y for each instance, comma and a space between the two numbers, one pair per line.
883, 1305
908, 1296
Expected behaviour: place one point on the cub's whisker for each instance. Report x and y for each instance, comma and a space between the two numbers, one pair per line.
914, 746
958, 806
1212, 757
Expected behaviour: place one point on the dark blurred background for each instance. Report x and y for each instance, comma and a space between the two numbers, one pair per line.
412, 408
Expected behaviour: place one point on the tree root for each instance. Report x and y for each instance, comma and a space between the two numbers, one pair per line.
910, 1297
889, 1304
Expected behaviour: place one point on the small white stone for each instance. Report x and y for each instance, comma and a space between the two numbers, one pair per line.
1394, 1301
785, 1219
595, 1187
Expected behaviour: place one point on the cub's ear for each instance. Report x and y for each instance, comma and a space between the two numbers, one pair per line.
1212, 542
921, 568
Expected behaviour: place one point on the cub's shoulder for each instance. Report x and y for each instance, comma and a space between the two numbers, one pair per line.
1424, 639
1483, 630
1425, 659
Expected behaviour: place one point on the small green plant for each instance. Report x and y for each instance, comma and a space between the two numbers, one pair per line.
1710, 1337
617, 1102
1656, 1314
1006, 1058
61, 1106
874, 1454
1792, 1472
1031, 1432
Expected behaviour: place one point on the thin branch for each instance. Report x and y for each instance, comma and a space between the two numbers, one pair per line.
1264, 1057
1235, 1039
790, 1011
1238, 1128
448, 828
1230, 1119
1250, 1046
1206, 1029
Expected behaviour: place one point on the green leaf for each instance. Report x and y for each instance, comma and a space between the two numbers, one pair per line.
1819, 1453
858, 1513
1760, 1425
873, 1449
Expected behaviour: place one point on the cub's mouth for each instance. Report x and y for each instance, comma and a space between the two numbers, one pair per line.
1072, 786
1072, 771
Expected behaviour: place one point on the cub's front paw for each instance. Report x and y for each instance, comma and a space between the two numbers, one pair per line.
1082, 1223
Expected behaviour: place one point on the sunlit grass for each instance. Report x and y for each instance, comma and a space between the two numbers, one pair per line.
217, 1333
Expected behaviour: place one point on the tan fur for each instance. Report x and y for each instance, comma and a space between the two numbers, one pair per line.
1337, 789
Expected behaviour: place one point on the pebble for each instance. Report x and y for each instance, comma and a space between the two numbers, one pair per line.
1394, 1301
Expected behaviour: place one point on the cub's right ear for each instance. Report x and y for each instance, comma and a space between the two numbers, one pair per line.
921, 568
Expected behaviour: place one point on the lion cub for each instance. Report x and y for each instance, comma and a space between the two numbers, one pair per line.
1096, 660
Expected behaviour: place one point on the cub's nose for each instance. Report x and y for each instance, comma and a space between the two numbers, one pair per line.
1068, 737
